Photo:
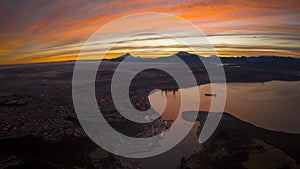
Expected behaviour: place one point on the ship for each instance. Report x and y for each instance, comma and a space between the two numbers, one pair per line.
211, 94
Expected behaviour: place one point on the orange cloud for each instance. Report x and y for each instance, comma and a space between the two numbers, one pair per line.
28, 28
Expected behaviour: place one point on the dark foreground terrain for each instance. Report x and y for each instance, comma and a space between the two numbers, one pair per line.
238, 144
39, 127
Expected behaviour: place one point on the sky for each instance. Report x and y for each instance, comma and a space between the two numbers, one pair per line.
49, 31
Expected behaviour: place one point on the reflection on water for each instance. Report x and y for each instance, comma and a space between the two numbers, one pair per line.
272, 105
169, 102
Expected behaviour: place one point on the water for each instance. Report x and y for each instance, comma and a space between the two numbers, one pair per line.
271, 105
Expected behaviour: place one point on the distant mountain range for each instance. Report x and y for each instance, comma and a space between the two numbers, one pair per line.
259, 62
185, 56
189, 57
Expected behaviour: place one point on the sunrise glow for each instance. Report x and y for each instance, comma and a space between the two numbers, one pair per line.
52, 31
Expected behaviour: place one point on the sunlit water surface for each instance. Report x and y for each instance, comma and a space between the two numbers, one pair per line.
271, 105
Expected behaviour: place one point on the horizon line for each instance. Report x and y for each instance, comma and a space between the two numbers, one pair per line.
108, 59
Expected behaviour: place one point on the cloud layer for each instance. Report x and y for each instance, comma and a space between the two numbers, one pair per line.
42, 31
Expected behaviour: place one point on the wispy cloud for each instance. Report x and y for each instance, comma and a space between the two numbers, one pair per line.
34, 31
